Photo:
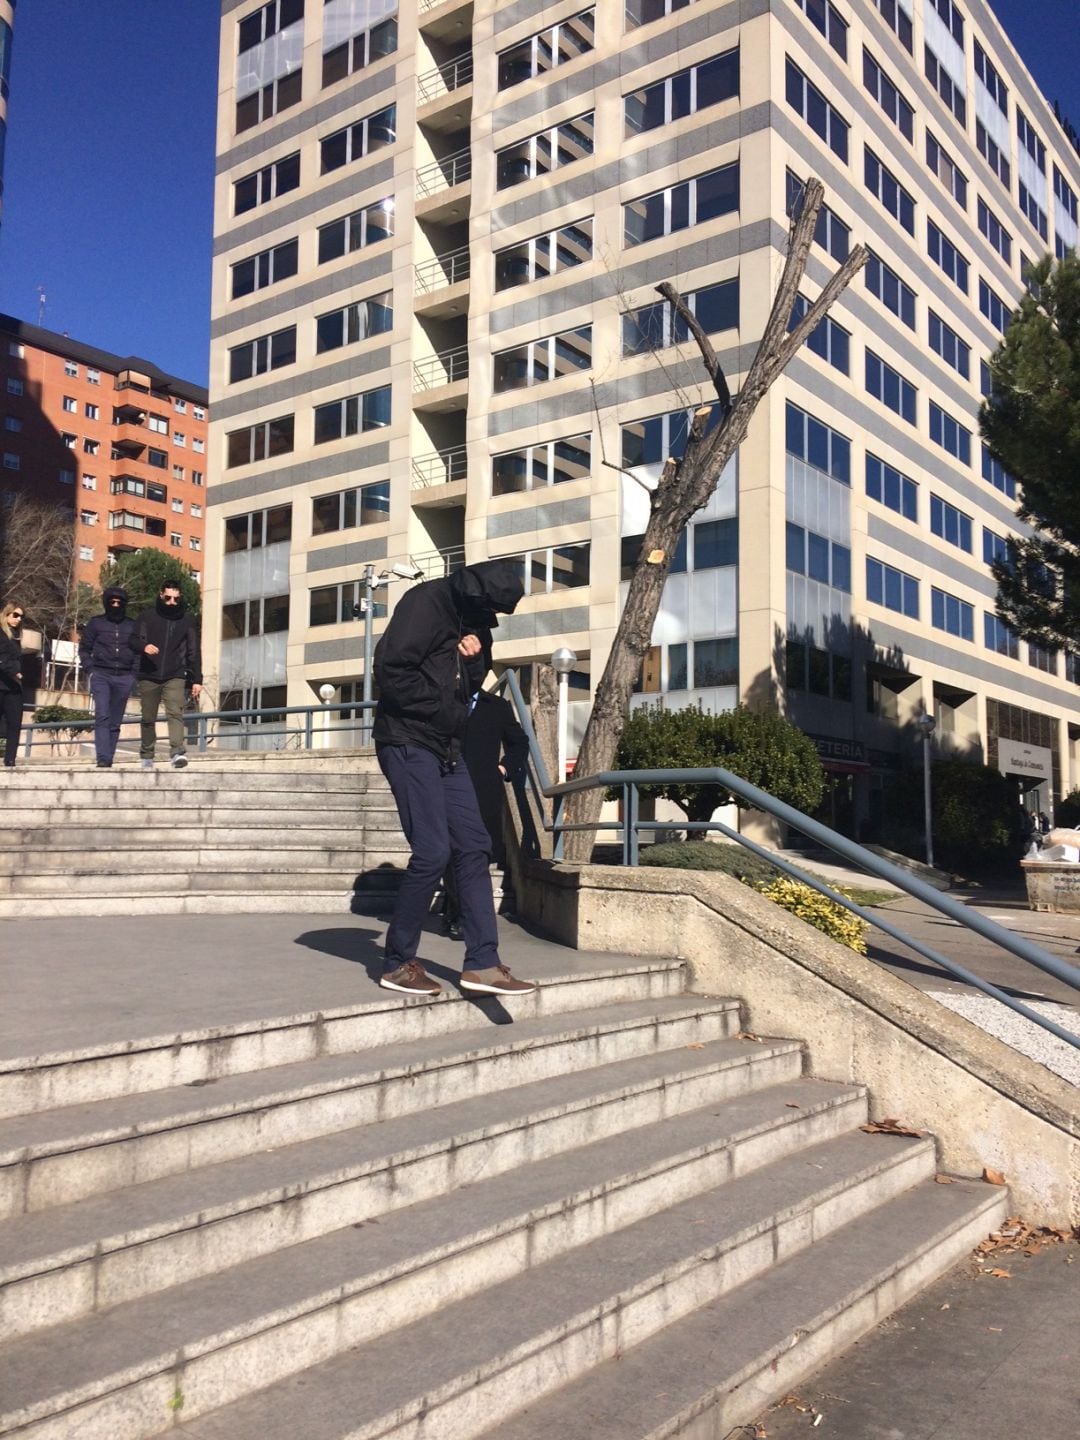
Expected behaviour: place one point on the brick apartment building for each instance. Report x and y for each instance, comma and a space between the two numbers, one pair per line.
113, 439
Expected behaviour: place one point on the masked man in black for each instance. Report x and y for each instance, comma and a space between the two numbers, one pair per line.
427, 666
106, 655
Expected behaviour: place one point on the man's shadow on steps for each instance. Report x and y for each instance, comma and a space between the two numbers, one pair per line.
365, 947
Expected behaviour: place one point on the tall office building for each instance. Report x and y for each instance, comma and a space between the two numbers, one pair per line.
113, 440
7, 21
439, 229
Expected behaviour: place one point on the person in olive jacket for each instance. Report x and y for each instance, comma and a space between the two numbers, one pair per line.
105, 653
166, 642
435, 638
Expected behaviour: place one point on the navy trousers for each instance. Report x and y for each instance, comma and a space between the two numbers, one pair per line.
441, 820
110, 693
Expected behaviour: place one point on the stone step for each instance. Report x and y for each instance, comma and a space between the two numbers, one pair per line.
272, 853
721, 1367
165, 779
60, 1156
203, 1057
61, 1265
468, 1321
27, 824
126, 846
248, 874
317, 899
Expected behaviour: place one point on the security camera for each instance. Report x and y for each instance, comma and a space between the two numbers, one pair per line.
406, 572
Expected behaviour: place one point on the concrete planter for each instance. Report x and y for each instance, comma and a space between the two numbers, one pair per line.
1052, 885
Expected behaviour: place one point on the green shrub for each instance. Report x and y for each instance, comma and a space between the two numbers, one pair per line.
1067, 814
705, 855
55, 714
976, 817
824, 914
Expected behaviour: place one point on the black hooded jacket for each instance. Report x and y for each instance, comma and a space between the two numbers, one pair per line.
105, 644
424, 684
176, 636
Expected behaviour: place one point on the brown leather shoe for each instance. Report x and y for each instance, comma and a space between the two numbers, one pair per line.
496, 980
411, 979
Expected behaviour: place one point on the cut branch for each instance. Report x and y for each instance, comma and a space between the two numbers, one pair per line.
708, 354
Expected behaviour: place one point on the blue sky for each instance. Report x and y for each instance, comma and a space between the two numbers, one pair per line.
110, 155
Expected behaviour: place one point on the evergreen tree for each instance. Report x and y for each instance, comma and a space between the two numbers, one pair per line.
142, 574
1031, 424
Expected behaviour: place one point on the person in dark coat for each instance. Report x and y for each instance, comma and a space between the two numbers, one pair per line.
495, 750
105, 653
438, 633
166, 642
11, 678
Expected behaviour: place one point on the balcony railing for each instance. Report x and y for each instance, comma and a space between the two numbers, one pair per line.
452, 75
443, 270
444, 173
441, 369
440, 468
436, 564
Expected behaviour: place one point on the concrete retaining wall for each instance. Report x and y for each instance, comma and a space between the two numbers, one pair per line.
985, 1104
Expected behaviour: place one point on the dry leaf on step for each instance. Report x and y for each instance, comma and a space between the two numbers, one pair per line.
890, 1126
993, 1177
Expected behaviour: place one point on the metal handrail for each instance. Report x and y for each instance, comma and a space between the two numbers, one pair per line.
444, 79
629, 781
442, 467
444, 173
443, 270
437, 564
442, 368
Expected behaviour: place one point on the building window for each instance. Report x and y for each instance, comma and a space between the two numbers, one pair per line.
92, 412
356, 322
196, 477
544, 255
347, 509
158, 459
1032, 209
950, 524
818, 558
176, 540
70, 404
254, 31
338, 604
992, 82
889, 487
179, 438
994, 473
180, 406
13, 424
66, 477
93, 377
992, 153
991, 227
158, 424
352, 416
178, 506
950, 90
178, 472
552, 149
198, 444
266, 184
360, 50
885, 187
807, 101
892, 588
941, 165
953, 437
194, 543
889, 386
944, 341
260, 442
128, 485
993, 307
268, 616
651, 441
536, 466
995, 547
816, 671
355, 231
684, 93
945, 254
14, 387
883, 282
897, 15
1065, 195
824, 16
553, 46
681, 206
1042, 659
541, 360
557, 567
355, 141
830, 232
68, 439
88, 517
641, 12
198, 413
817, 444
71, 370
86, 552
196, 511
951, 614
1029, 139
268, 101
263, 527
652, 327
89, 482
877, 84
12, 461
828, 339
267, 268
998, 637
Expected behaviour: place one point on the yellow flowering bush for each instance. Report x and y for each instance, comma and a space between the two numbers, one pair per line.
825, 915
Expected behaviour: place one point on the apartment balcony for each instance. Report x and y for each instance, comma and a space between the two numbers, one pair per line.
129, 440
444, 95
437, 564
444, 186
441, 285
441, 381
446, 20
438, 479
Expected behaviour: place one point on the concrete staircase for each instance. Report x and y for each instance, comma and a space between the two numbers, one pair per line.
231, 836
616, 1217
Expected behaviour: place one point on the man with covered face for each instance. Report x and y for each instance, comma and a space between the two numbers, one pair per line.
427, 667
106, 655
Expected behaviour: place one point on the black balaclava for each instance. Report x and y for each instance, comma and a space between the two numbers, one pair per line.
169, 612
115, 599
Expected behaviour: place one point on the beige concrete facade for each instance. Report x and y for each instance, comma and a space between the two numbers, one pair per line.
458, 74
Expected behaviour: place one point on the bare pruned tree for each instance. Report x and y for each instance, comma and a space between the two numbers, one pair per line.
685, 485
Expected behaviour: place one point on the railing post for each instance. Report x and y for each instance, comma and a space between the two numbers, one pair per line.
632, 826
309, 729
560, 801
201, 729
626, 789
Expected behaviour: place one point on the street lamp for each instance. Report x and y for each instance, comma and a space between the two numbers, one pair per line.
562, 662
927, 724
326, 694
372, 582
